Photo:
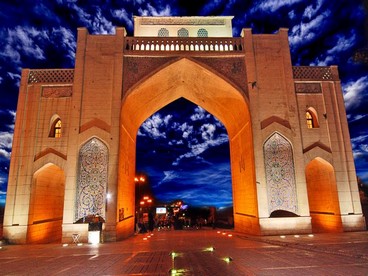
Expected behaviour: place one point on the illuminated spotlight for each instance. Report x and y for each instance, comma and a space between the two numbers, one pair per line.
228, 259
79, 244
1, 247
209, 249
145, 238
282, 237
65, 245
218, 232
173, 254
175, 271
223, 233
230, 235
311, 235
296, 236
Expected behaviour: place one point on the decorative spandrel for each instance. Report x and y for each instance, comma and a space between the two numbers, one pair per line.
92, 179
280, 174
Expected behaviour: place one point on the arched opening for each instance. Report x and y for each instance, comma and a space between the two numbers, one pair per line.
311, 118
55, 127
47, 205
195, 83
183, 153
323, 197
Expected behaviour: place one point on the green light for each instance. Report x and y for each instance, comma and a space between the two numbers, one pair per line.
210, 249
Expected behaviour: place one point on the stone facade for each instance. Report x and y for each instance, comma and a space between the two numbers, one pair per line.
75, 132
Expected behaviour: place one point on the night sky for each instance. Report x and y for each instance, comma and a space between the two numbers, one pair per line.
183, 150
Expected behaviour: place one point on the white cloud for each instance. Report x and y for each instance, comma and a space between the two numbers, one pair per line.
6, 139
5, 154
273, 6
124, 16
68, 40
155, 126
151, 11
168, 176
309, 29
343, 44
199, 114
354, 92
208, 131
198, 149
23, 41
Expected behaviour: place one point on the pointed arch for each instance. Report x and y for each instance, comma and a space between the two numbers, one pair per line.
322, 196
55, 127
92, 179
46, 205
280, 174
195, 83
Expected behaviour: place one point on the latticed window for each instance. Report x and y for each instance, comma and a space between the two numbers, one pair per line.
163, 32
183, 33
202, 33
55, 130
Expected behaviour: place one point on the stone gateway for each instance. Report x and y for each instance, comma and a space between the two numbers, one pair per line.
74, 147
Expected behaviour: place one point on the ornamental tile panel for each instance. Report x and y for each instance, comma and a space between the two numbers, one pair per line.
92, 179
280, 174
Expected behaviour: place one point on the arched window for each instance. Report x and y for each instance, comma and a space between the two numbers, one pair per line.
311, 119
183, 33
163, 32
202, 33
55, 130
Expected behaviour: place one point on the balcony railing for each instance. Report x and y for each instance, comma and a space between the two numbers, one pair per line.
183, 44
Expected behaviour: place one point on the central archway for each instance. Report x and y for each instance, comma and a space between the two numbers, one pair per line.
197, 84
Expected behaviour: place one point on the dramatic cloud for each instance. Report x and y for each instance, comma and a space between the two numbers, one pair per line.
355, 91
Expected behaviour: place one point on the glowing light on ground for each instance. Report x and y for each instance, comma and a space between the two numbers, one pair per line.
228, 259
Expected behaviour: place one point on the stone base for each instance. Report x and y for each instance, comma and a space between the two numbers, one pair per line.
15, 234
353, 223
285, 226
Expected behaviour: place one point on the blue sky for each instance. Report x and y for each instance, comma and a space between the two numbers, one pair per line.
42, 34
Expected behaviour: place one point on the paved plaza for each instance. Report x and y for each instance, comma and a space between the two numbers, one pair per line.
195, 252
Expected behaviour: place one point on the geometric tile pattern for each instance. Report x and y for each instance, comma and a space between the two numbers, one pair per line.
280, 174
92, 179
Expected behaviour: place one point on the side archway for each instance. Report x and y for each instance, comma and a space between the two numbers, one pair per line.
197, 84
47, 205
323, 197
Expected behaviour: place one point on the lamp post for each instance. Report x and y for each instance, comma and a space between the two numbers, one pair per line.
138, 181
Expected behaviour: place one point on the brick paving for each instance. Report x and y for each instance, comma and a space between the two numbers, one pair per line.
187, 252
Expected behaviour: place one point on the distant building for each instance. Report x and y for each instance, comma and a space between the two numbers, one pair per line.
74, 146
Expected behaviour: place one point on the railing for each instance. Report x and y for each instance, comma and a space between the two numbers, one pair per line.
183, 44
